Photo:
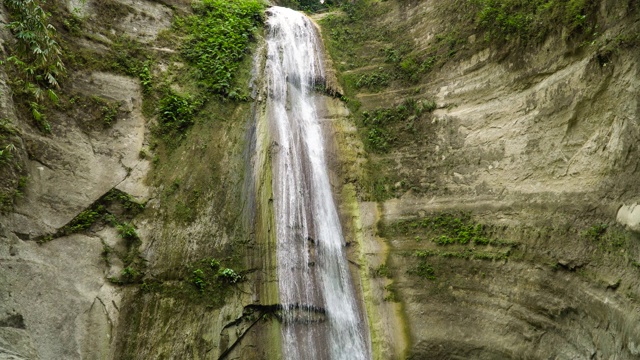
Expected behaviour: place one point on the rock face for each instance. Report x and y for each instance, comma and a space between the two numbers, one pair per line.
72, 169
56, 300
535, 151
501, 223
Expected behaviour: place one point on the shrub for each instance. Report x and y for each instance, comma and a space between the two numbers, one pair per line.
37, 53
374, 81
219, 34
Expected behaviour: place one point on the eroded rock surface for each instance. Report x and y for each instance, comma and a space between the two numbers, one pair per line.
56, 301
540, 148
73, 168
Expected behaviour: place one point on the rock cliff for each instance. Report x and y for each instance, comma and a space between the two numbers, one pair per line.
486, 181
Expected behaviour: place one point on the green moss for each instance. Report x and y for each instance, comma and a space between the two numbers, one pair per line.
205, 281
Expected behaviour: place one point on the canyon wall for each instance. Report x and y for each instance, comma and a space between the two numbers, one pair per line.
486, 182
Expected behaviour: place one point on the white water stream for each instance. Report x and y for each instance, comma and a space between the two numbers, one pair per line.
321, 318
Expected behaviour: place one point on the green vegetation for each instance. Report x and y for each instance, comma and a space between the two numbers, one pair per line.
130, 275
111, 209
6, 153
229, 275
466, 253
310, 6
84, 220
391, 294
445, 229
108, 110
372, 56
128, 57
210, 276
128, 232
454, 235
382, 126
374, 81
146, 79
532, 20
176, 113
609, 239
37, 54
381, 271
218, 38
116, 209
423, 270
216, 41
595, 232
199, 280
13, 180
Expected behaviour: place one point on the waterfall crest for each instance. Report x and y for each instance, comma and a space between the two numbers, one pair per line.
312, 267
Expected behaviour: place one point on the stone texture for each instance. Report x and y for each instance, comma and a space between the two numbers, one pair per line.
59, 290
144, 21
629, 215
540, 147
72, 168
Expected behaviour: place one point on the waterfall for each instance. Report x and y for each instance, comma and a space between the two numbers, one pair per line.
320, 315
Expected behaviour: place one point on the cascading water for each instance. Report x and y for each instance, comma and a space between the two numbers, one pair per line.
320, 315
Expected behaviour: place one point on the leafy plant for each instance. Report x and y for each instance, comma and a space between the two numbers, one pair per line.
176, 112
129, 57
214, 264
109, 113
374, 81
6, 153
199, 280
531, 21
39, 117
219, 34
127, 231
145, 77
126, 200
595, 232
381, 271
129, 274
423, 270
37, 55
84, 220
229, 275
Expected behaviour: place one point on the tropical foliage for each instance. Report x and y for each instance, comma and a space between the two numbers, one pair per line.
219, 36
37, 54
